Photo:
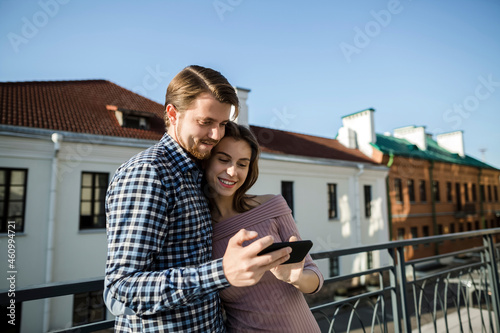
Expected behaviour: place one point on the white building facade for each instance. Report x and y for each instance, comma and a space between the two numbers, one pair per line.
336, 204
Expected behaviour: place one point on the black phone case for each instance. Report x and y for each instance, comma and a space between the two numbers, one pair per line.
299, 250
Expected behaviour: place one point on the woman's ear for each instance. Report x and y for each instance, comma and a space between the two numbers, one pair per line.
171, 114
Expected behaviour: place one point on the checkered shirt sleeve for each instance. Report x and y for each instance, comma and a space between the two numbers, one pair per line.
160, 275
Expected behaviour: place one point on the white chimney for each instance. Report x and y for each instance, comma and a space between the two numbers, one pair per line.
242, 118
453, 142
413, 134
363, 125
347, 137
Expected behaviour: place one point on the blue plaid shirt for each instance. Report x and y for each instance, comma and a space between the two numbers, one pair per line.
160, 276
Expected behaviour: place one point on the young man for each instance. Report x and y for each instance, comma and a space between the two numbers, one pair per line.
160, 276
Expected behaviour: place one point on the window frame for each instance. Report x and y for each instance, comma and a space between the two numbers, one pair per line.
5, 219
398, 190
333, 213
287, 193
367, 190
422, 190
86, 222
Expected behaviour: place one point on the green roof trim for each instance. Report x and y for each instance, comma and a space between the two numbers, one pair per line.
350, 114
402, 147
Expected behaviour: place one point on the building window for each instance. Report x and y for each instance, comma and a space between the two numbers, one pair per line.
332, 201
423, 193
474, 193
369, 259
435, 191
88, 308
425, 233
490, 198
482, 195
460, 227
334, 267
466, 192
398, 189
477, 225
495, 192
414, 234
459, 197
449, 196
411, 190
12, 199
287, 193
401, 234
93, 194
368, 200
469, 226
452, 230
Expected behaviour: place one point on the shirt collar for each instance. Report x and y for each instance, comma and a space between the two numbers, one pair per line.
182, 159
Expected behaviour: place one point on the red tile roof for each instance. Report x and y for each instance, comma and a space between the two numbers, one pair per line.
290, 143
87, 107
76, 106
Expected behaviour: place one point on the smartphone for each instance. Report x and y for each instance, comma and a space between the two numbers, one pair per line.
299, 250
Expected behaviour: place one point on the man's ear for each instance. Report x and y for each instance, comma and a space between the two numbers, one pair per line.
171, 114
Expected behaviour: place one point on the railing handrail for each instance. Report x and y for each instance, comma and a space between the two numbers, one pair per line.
402, 243
56, 289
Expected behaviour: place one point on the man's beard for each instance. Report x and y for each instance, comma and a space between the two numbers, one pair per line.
193, 149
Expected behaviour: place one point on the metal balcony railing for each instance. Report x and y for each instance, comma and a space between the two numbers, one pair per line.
452, 292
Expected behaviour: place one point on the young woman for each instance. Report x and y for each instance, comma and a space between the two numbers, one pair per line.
276, 303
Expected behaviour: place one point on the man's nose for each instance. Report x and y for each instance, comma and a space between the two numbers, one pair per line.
216, 133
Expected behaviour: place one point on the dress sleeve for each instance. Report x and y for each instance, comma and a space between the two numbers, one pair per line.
137, 224
288, 228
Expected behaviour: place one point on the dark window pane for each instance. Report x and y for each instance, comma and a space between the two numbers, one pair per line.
332, 201
15, 209
287, 193
368, 200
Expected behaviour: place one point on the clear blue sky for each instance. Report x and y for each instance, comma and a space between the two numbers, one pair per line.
307, 63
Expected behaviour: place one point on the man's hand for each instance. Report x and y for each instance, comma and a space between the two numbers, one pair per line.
242, 266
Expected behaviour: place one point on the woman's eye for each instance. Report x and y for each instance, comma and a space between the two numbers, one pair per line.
242, 165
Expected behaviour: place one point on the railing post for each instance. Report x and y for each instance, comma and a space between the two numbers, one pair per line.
401, 275
491, 263
393, 280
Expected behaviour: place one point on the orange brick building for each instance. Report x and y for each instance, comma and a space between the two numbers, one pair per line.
434, 188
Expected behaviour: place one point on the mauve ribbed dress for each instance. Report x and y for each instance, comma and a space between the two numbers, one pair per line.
271, 305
